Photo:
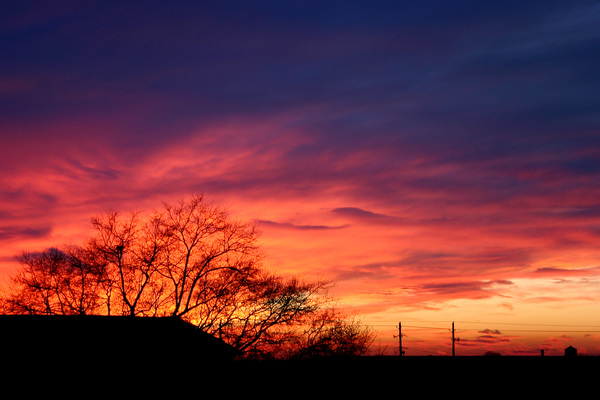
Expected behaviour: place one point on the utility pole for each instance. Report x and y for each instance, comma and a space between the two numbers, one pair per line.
453, 340
400, 351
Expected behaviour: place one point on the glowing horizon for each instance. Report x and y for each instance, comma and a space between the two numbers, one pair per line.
437, 164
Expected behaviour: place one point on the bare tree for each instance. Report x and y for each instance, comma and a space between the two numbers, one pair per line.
128, 250
331, 334
268, 313
54, 282
207, 255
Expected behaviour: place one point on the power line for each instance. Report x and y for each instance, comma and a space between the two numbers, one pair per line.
593, 328
455, 339
482, 322
426, 327
549, 330
525, 324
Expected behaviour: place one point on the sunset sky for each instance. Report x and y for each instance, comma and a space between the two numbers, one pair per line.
438, 160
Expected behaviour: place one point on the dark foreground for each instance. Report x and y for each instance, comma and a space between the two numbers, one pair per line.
418, 367
94, 356
428, 376
414, 377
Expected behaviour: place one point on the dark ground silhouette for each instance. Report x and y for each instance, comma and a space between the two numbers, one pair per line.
44, 355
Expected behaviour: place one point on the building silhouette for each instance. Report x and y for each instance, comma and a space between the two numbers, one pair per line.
570, 351
142, 343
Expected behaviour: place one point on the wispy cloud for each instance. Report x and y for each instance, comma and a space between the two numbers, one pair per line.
24, 233
287, 225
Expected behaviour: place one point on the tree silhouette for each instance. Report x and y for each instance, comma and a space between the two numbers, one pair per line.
54, 282
191, 261
331, 335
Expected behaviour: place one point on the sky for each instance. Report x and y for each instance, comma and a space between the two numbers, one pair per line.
439, 161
